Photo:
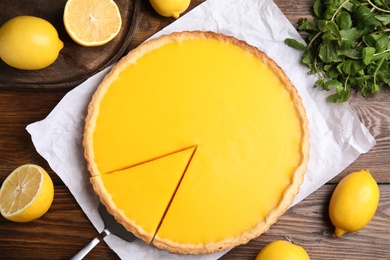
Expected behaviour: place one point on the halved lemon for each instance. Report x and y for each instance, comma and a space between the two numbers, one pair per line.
26, 194
92, 22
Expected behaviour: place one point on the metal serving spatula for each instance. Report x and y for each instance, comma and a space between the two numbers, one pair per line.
111, 227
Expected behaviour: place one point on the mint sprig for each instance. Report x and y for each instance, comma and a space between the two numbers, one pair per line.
348, 46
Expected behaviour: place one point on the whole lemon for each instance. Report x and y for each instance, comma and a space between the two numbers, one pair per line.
354, 202
29, 43
170, 8
281, 249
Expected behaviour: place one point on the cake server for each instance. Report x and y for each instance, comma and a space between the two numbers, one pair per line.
111, 226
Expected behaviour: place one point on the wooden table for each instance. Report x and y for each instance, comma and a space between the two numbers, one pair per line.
64, 229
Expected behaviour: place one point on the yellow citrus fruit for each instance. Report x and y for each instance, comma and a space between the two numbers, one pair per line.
353, 202
26, 194
92, 22
170, 8
282, 250
29, 43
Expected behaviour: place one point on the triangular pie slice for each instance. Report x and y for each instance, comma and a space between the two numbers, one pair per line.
139, 196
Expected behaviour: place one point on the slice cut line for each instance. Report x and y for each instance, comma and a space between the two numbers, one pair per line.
174, 194
156, 158
129, 201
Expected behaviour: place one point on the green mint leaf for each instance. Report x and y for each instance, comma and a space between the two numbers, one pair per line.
328, 52
344, 20
379, 41
350, 5
330, 28
375, 89
382, 55
328, 13
320, 83
352, 67
306, 25
339, 97
352, 54
369, 88
350, 37
365, 89
364, 18
336, 84
330, 10
308, 58
331, 71
382, 73
293, 43
368, 54
370, 39
317, 8
359, 80
382, 43
384, 18
379, 3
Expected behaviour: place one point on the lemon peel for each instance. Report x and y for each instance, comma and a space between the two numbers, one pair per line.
281, 249
354, 202
29, 43
170, 8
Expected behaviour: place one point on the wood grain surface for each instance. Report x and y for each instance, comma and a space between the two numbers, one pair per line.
64, 229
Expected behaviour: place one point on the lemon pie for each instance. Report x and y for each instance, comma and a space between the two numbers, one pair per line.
196, 142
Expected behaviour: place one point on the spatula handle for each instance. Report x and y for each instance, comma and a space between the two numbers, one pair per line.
83, 252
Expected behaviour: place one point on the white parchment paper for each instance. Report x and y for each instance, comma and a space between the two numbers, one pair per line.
337, 136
